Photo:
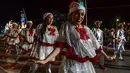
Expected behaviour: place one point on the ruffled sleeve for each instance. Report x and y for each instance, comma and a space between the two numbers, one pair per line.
96, 44
61, 41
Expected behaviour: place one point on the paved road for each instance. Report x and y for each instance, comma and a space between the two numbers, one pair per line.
23, 65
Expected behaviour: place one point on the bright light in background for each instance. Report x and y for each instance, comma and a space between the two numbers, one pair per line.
117, 19
123, 22
22, 19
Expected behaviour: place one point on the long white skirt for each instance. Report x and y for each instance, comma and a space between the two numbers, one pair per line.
71, 66
43, 51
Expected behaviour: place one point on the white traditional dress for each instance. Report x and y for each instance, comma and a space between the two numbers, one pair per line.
12, 39
27, 39
37, 36
45, 43
43, 47
80, 46
120, 39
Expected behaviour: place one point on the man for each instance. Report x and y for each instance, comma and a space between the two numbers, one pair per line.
120, 41
99, 35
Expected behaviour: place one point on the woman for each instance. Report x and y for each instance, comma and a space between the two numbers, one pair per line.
12, 39
27, 38
46, 36
77, 42
26, 41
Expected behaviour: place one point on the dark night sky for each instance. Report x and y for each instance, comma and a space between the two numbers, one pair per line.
10, 9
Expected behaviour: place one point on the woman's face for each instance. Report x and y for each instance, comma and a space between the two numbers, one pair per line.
49, 19
29, 25
77, 17
14, 26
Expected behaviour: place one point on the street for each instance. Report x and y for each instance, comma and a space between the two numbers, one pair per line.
23, 65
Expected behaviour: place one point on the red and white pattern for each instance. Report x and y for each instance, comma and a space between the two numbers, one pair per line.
27, 39
80, 50
45, 43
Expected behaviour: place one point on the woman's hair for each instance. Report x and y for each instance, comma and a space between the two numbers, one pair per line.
43, 28
27, 25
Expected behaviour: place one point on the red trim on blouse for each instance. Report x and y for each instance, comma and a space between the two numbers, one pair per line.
25, 39
72, 56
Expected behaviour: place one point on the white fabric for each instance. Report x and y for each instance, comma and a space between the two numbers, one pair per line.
30, 22
13, 37
15, 24
68, 34
121, 38
72, 66
76, 6
97, 22
99, 33
25, 32
43, 51
45, 15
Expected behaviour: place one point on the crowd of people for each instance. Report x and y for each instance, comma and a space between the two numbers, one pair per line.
79, 44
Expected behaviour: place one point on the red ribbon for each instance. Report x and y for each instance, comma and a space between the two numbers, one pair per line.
52, 31
70, 53
30, 33
82, 33
47, 44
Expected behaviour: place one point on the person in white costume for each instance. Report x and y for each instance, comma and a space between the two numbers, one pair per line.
77, 43
120, 41
26, 41
99, 36
46, 36
12, 39
112, 38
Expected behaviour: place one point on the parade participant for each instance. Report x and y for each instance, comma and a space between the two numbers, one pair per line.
77, 43
36, 37
26, 41
12, 39
27, 37
99, 36
112, 38
10, 24
120, 39
46, 38
6, 28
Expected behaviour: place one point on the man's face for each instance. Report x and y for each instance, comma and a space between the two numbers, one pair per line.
98, 25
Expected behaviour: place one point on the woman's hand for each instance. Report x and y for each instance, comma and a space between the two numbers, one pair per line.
41, 61
110, 58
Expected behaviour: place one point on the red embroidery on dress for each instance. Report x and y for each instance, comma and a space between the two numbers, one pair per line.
52, 31
82, 33
69, 53
30, 33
